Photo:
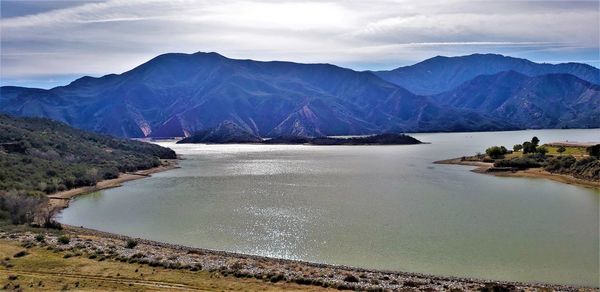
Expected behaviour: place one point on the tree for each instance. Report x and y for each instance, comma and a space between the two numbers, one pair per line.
496, 151
517, 147
535, 141
594, 150
561, 149
528, 147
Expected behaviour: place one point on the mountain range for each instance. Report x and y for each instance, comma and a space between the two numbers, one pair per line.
179, 94
440, 74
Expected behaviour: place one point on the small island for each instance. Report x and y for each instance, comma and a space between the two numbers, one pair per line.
566, 162
231, 133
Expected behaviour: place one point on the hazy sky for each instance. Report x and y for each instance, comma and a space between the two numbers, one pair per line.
49, 43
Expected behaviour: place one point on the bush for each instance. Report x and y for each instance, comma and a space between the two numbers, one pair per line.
496, 151
518, 163
277, 278
63, 239
131, 243
40, 237
20, 254
561, 164
517, 147
594, 150
351, 278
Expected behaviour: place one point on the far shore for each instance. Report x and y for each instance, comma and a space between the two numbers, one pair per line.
484, 167
62, 199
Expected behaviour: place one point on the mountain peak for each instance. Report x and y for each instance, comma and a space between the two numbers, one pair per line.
440, 74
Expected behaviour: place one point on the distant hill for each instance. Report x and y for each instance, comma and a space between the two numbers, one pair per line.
440, 74
546, 101
39, 155
175, 95
226, 132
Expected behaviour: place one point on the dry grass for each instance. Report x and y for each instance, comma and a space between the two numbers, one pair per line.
42, 269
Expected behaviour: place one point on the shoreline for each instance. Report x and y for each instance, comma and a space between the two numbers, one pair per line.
538, 173
102, 246
224, 263
62, 199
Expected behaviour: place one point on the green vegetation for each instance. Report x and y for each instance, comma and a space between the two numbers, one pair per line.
523, 162
594, 150
42, 156
578, 161
131, 243
39, 157
495, 152
64, 239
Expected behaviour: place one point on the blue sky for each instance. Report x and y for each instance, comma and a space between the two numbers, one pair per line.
50, 43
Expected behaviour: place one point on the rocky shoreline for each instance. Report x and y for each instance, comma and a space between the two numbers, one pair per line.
107, 246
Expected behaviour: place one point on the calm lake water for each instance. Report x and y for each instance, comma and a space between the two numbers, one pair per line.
384, 207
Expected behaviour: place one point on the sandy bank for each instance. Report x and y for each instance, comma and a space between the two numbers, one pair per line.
62, 199
483, 167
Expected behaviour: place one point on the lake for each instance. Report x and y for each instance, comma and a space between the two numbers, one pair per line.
383, 207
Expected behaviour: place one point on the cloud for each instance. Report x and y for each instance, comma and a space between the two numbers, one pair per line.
113, 36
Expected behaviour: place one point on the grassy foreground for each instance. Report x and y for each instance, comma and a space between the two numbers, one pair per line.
42, 269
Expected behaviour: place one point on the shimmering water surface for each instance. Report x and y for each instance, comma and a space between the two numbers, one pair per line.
384, 207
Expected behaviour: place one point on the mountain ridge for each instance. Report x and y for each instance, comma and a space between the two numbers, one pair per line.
178, 94
438, 74
559, 100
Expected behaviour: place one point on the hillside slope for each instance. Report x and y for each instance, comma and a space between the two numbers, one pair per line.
39, 155
546, 101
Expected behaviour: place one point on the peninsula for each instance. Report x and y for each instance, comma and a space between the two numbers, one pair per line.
566, 162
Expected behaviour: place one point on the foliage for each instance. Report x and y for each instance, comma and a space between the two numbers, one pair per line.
517, 147
496, 151
63, 239
523, 162
587, 168
22, 208
594, 150
43, 156
561, 164
131, 243
561, 149
542, 150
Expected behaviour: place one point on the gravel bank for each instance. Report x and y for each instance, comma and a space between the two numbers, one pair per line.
107, 246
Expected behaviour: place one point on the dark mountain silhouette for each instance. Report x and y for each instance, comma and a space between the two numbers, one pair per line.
547, 101
441, 74
226, 132
180, 94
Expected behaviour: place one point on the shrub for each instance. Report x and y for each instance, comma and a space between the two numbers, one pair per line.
63, 239
131, 243
594, 150
517, 147
40, 237
277, 278
542, 150
351, 278
496, 151
20, 254
560, 164
518, 162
